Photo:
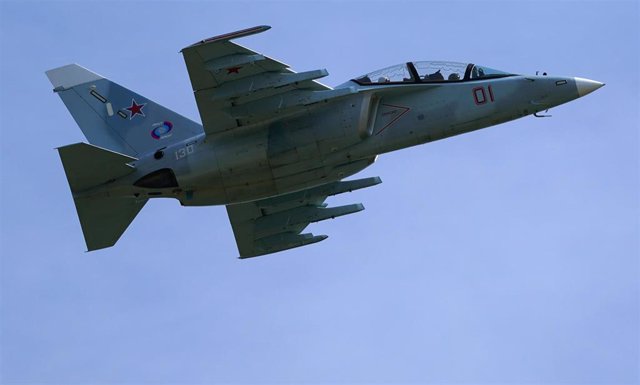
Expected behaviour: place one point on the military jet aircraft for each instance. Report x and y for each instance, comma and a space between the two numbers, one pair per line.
274, 143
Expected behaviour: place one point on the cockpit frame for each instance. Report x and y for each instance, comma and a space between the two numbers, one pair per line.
415, 76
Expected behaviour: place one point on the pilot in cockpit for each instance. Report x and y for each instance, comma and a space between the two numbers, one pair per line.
434, 76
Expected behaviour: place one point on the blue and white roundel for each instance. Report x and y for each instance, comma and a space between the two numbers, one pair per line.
162, 130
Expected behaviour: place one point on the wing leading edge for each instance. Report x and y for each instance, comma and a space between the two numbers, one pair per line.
275, 224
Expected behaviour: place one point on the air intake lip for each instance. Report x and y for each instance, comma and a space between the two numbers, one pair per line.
163, 178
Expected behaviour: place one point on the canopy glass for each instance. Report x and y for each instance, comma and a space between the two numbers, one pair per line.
430, 72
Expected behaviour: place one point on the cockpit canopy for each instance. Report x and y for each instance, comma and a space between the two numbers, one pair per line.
430, 72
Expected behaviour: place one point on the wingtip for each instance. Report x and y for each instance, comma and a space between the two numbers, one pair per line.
231, 35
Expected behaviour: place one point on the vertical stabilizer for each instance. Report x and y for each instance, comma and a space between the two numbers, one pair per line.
113, 117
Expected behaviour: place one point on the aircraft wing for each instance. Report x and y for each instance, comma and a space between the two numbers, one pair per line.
235, 86
275, 224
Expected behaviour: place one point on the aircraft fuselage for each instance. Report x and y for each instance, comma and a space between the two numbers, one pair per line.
328, 143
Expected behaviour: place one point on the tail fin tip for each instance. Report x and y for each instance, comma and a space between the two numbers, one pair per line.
69, 76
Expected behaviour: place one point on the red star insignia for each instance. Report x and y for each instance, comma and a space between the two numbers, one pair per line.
136, 109
233, 70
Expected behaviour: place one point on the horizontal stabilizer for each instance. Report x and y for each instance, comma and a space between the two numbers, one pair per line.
104, 219
88, 166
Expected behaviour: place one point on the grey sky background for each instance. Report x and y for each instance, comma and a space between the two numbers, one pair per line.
508, 255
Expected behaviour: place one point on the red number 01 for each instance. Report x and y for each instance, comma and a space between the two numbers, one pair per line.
480, 96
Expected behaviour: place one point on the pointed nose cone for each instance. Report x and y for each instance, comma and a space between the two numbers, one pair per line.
586, 86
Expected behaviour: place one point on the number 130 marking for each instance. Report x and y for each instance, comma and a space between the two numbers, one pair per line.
185, 151
480, 97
